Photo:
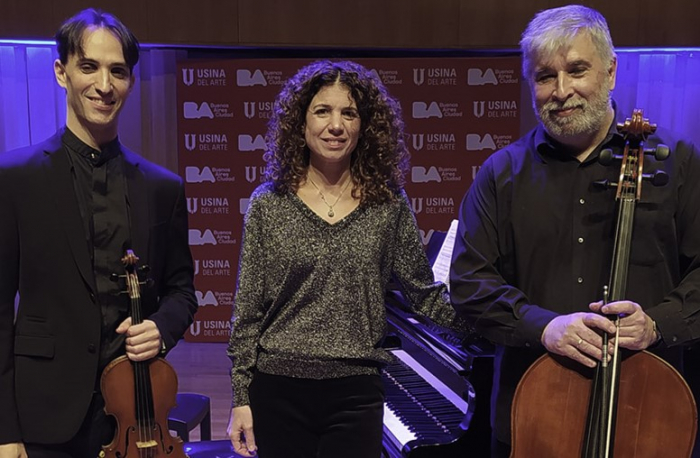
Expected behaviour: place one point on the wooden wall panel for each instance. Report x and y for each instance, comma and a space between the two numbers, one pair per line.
27, 19
134, 17
193, 22
362, 23
466, 24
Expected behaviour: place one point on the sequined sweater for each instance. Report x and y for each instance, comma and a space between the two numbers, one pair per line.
310, 296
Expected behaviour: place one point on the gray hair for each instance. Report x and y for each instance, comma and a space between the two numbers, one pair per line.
553, 29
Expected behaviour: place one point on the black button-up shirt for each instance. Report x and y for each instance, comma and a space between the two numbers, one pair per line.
536, 238
101, 192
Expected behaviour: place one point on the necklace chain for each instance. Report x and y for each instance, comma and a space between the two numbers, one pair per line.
331, 213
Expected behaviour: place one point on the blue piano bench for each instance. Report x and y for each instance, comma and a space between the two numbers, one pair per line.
192, 409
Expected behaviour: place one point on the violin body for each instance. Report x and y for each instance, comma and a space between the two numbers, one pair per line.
656, 412
120, 401
139, 394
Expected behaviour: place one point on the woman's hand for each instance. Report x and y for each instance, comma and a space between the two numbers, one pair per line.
240, 430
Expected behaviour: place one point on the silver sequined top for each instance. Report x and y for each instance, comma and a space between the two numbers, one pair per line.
310, 296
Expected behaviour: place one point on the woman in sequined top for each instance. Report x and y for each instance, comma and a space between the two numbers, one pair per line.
323, 236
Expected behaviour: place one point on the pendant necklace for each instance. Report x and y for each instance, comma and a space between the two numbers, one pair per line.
331, 213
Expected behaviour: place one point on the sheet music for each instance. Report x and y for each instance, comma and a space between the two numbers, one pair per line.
441, 267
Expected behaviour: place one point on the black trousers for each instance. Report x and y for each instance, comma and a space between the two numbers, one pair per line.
97, 430
331, 418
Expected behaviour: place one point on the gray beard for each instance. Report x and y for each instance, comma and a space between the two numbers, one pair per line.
589, 121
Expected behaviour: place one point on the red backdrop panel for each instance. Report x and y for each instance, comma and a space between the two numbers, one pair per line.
457, 111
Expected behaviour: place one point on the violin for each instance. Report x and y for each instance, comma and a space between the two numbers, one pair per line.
139, 394
636, 404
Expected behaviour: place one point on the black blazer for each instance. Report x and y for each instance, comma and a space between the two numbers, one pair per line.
49, 356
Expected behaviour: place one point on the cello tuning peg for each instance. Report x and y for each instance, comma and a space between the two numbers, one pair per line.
144, 269
115, 277
605, 184
660, 153
606, 157
657, 178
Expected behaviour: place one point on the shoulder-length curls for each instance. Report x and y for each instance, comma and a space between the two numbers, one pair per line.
380, 160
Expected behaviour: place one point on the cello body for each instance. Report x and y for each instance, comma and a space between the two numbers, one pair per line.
656, 412
634, 405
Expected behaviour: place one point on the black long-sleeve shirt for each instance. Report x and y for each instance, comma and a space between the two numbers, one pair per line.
536, 239
101, 191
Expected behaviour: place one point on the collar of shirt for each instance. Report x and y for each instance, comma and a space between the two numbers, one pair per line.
95, 157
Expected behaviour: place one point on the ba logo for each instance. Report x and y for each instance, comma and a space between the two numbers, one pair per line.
243, 205
244, 78
426, 236
420, 175
249, 109
206, 299
421, 110
194, 175
188, 76
417, 141
193, 111
196, 328
417, 204
476, 143
196, 266
418, 76
475, 77
192, 205
246, 143
479, 109
196, 238
190, 142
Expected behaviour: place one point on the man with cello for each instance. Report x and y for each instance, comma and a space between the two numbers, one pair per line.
536, 234
71, 206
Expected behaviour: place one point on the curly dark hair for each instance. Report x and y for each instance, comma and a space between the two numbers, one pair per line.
380, 160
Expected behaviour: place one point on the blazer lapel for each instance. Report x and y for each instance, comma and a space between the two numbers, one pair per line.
60, 178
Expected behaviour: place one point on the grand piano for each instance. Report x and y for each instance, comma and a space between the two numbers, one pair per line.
437, 388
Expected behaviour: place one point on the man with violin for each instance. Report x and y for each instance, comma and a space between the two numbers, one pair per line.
536, 228
71, 206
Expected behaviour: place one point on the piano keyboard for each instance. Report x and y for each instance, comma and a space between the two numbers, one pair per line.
430, 402
420, 408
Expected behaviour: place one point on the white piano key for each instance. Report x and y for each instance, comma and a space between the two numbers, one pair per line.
401, 435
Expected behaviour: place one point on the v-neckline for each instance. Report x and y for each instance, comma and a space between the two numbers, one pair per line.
315, 216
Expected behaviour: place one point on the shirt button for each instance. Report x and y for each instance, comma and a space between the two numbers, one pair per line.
579, 279
580, 240
91, 348
582, 201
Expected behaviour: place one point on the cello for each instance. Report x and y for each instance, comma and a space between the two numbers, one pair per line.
139, 394
635, 405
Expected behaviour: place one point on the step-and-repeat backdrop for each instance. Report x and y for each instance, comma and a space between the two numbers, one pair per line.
457, 111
